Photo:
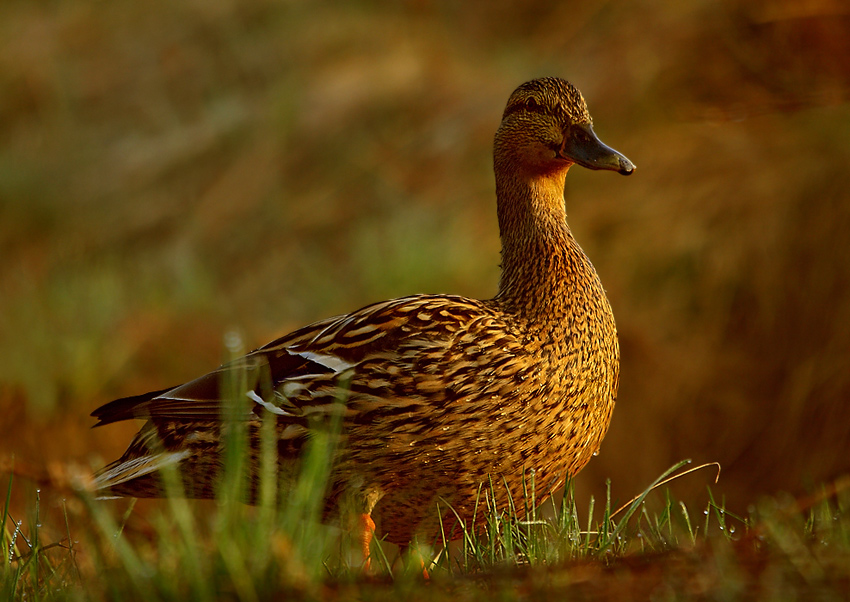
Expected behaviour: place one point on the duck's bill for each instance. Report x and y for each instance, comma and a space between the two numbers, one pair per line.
583, 147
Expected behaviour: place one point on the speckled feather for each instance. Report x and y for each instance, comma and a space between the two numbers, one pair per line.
438, 394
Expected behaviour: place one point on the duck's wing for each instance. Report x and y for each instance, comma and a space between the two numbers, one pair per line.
202, 398
308, 367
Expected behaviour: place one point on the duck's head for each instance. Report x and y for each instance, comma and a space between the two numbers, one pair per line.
546, 129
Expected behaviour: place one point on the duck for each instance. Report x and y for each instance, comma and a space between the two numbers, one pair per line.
434, 396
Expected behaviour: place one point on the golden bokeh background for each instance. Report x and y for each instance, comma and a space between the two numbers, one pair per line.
173, 171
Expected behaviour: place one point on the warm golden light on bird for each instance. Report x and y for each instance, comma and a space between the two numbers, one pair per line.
438, 393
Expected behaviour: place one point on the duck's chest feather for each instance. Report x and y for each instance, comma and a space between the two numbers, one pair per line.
552, 383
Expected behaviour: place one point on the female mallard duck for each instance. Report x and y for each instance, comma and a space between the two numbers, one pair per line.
439, 393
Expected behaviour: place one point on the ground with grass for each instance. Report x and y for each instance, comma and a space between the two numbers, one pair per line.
650, 548
174, 172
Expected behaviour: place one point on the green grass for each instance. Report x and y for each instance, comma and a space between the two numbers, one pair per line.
241, 552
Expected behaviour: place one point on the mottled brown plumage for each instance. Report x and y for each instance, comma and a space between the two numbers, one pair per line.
438, 394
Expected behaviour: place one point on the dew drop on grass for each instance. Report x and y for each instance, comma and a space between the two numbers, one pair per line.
233, 341
731, 528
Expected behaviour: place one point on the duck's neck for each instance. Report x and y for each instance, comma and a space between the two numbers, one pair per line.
540, 259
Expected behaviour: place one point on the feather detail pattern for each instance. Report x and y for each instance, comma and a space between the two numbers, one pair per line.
436, 395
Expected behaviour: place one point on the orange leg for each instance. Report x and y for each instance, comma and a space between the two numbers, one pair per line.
366, 531
425, 574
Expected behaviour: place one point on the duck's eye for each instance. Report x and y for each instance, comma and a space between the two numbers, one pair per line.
532, 105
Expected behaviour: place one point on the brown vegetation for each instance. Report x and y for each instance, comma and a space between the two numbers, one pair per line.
171, 171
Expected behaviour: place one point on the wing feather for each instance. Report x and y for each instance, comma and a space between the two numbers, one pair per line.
302, 368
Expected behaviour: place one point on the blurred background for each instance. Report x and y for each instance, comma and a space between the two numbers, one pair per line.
173, 171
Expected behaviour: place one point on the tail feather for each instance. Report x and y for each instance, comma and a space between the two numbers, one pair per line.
108, 481
124, 408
